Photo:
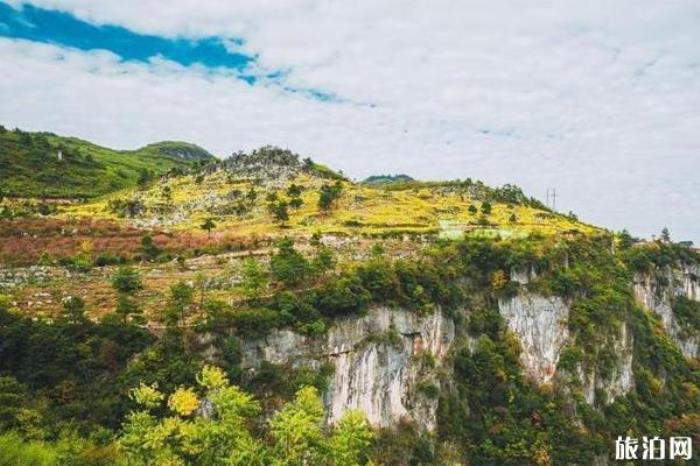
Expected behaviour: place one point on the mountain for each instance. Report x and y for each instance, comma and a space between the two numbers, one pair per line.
383, 179
51, 166
274, 192
267, 307
177, 150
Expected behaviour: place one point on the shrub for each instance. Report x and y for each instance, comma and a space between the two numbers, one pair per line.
127, 280
287, 265
342, 296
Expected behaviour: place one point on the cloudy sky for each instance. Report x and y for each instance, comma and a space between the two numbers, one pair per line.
598, 99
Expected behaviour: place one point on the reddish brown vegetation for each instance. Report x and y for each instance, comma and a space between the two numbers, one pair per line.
23, 241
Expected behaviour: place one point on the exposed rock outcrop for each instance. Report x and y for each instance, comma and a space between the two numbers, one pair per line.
381, 363
541, 325
620, 380
656, 292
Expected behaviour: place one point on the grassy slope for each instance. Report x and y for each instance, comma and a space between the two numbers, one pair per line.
29, 165
362, 209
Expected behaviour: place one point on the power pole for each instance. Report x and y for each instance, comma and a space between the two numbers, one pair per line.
547, 201
554, 199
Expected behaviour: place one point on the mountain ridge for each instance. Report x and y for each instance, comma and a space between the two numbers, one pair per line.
46, 165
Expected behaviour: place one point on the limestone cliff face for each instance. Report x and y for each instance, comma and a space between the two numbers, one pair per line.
541, 325
621, 379
383, 362
387, 362
656, 292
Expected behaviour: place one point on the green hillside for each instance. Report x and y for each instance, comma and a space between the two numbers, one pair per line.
387, 179
47, 165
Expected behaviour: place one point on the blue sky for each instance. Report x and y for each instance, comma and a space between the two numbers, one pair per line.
29, 22
56, 27
598, 99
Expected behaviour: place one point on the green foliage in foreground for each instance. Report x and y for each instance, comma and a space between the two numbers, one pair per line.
221, 434
31, 166
209, 428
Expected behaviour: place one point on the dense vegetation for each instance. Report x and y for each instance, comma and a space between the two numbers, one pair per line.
44, 165
125, 341
67, 384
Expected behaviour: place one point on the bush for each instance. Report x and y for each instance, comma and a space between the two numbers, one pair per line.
16, 452
341, 296
127, 280
287, 265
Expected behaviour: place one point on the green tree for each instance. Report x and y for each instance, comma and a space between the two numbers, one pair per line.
167, 194
73, 310
145, 177
149, 248
377, 251
185, 438
486, 208
665, 235
296, 202
224, 437
324, 260
16, 412
208, 225
483, 221
315, 239
297, 430
254, 279
251, 195
127, 280
351, 439
328, 195
279, 211
626, 240
288, 265
126, 307
179, 304
16, 451
294, 190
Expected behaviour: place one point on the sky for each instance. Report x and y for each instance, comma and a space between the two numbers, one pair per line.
598, 99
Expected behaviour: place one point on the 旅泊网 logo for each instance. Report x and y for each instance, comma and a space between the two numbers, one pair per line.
653, 448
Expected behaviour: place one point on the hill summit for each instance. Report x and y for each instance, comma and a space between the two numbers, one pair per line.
273, 163
178, 150
46, 165
382, 179
274, 192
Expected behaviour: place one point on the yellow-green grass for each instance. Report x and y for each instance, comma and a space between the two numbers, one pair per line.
361, 210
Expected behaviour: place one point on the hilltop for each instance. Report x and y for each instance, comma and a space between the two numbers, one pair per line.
383, 179
44, 165
274, 192
178, 150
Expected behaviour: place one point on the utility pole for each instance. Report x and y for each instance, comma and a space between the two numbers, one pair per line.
553, 195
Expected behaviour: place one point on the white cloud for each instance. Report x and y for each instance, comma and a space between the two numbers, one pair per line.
600, 99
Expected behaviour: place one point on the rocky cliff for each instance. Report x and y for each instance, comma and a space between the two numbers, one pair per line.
393, 363
386, 363
541, 324
659, 290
